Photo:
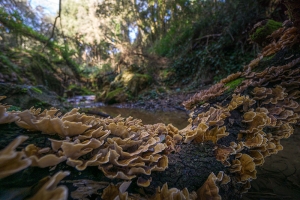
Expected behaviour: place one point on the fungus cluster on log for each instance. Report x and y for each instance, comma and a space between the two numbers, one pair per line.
244, 125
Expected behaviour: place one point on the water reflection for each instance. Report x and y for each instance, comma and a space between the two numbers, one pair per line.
279, 178
178, 118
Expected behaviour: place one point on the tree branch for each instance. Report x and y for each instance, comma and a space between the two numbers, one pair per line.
53, 28
208, 36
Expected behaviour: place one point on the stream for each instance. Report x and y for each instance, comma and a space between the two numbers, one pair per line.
178, 118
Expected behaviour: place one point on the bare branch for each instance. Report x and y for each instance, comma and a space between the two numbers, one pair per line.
208, 36
53, 28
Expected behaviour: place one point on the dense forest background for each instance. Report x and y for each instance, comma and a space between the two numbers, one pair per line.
122, 50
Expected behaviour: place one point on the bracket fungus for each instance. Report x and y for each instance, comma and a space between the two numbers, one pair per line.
49, 123
6, 117
50, 190
40, 158
12, 161
244, 167
204, 95
173, 193
210, 189
222, 154
115, 192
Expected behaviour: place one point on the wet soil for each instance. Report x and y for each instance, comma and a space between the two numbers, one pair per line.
163, 102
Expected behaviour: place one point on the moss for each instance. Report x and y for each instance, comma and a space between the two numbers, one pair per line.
165, 74
144, 78
36, 90
115, 96
138, 83
201, 103
233, 84
41, 104
24, 90
267, 58
114, 93
14, 108
261, 33
42, 60
79, 90
131, 82
161, 90
37, 72
6, 62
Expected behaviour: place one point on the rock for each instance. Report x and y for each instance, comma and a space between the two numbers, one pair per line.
116, 96
26, 96
124, 86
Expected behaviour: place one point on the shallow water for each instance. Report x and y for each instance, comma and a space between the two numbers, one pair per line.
279, 177
178, 118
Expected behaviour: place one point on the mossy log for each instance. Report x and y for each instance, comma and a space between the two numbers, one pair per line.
188, 168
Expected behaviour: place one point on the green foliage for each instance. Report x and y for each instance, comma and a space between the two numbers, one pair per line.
15, 23
14, 108
175, 37
106, 67
6, 62
144, 78
214, 44
201, 40
91, 71
24, 90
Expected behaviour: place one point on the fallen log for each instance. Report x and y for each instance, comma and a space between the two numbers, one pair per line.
234, 125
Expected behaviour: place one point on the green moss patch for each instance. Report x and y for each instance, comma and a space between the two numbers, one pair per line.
261, 33
115, 96
14, 108
77, 90
233, 84
36, 90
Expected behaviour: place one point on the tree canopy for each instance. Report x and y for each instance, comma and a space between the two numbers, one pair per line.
94, 36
